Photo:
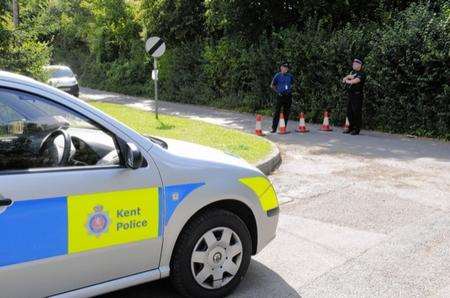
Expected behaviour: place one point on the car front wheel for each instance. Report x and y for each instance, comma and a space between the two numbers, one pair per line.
212, 255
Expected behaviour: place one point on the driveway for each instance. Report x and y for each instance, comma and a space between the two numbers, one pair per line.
363, 216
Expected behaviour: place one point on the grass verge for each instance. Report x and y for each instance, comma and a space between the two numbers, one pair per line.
244, 145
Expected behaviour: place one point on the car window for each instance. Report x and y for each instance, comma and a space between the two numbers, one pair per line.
7, 114
38, 133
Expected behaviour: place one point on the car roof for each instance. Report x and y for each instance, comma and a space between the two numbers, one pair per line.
14, 77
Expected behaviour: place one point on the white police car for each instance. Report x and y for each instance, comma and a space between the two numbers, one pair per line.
90, 206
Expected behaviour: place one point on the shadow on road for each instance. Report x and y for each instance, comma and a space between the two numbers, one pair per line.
369, 144
260, 281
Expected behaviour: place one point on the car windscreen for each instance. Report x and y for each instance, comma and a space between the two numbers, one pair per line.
61, 72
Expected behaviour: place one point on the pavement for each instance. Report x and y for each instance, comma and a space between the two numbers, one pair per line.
362, 216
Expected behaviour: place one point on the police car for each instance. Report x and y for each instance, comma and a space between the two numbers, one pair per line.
89, 206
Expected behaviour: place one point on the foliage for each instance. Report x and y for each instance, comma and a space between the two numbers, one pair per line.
239, 74
182, 78
175, 20
251, 18
409, 66
22, 52
113, 33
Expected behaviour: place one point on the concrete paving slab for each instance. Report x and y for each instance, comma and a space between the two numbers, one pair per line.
413, 262
342, 240
361, 209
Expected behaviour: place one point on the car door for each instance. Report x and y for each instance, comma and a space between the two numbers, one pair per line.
69, 225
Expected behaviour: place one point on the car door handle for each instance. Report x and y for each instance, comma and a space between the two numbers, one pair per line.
5, 202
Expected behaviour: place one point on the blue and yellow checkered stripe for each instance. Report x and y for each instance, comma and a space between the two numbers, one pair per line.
36, 229
43, 228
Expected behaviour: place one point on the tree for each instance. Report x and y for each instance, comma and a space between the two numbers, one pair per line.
112, 30
175, 21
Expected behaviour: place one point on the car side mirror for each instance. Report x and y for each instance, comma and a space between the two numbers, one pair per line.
133, 156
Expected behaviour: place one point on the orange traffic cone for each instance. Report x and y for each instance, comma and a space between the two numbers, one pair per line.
347, 124
282, 125
258, 127
326, 123
301, 125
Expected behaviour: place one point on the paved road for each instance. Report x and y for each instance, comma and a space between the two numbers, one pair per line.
365, 216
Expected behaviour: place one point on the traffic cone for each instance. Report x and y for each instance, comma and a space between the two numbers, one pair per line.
326, 123
281, 125
258, 127
301, 125
347, 124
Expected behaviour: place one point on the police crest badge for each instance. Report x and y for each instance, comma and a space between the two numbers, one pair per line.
98, 221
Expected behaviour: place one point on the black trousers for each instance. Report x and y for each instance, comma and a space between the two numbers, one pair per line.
354, 110
284, 102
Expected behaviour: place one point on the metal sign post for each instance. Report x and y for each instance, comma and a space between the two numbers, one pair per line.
156, 47
155, 79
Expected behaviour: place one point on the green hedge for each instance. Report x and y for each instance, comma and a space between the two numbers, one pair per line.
407, 61
409, 67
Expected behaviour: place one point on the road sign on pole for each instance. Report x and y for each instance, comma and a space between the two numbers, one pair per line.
155, 47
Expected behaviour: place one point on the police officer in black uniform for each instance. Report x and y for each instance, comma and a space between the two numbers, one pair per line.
354, 84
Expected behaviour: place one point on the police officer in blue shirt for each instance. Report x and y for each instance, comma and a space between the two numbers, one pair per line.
282, 84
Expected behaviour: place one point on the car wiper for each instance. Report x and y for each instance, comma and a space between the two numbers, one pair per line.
158, 142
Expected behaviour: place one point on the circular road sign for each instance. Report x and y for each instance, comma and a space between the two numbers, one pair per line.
155, 46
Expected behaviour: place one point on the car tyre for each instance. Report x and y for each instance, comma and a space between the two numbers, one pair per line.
196, 253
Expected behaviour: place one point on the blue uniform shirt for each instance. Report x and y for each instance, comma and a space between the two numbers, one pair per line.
283, 82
